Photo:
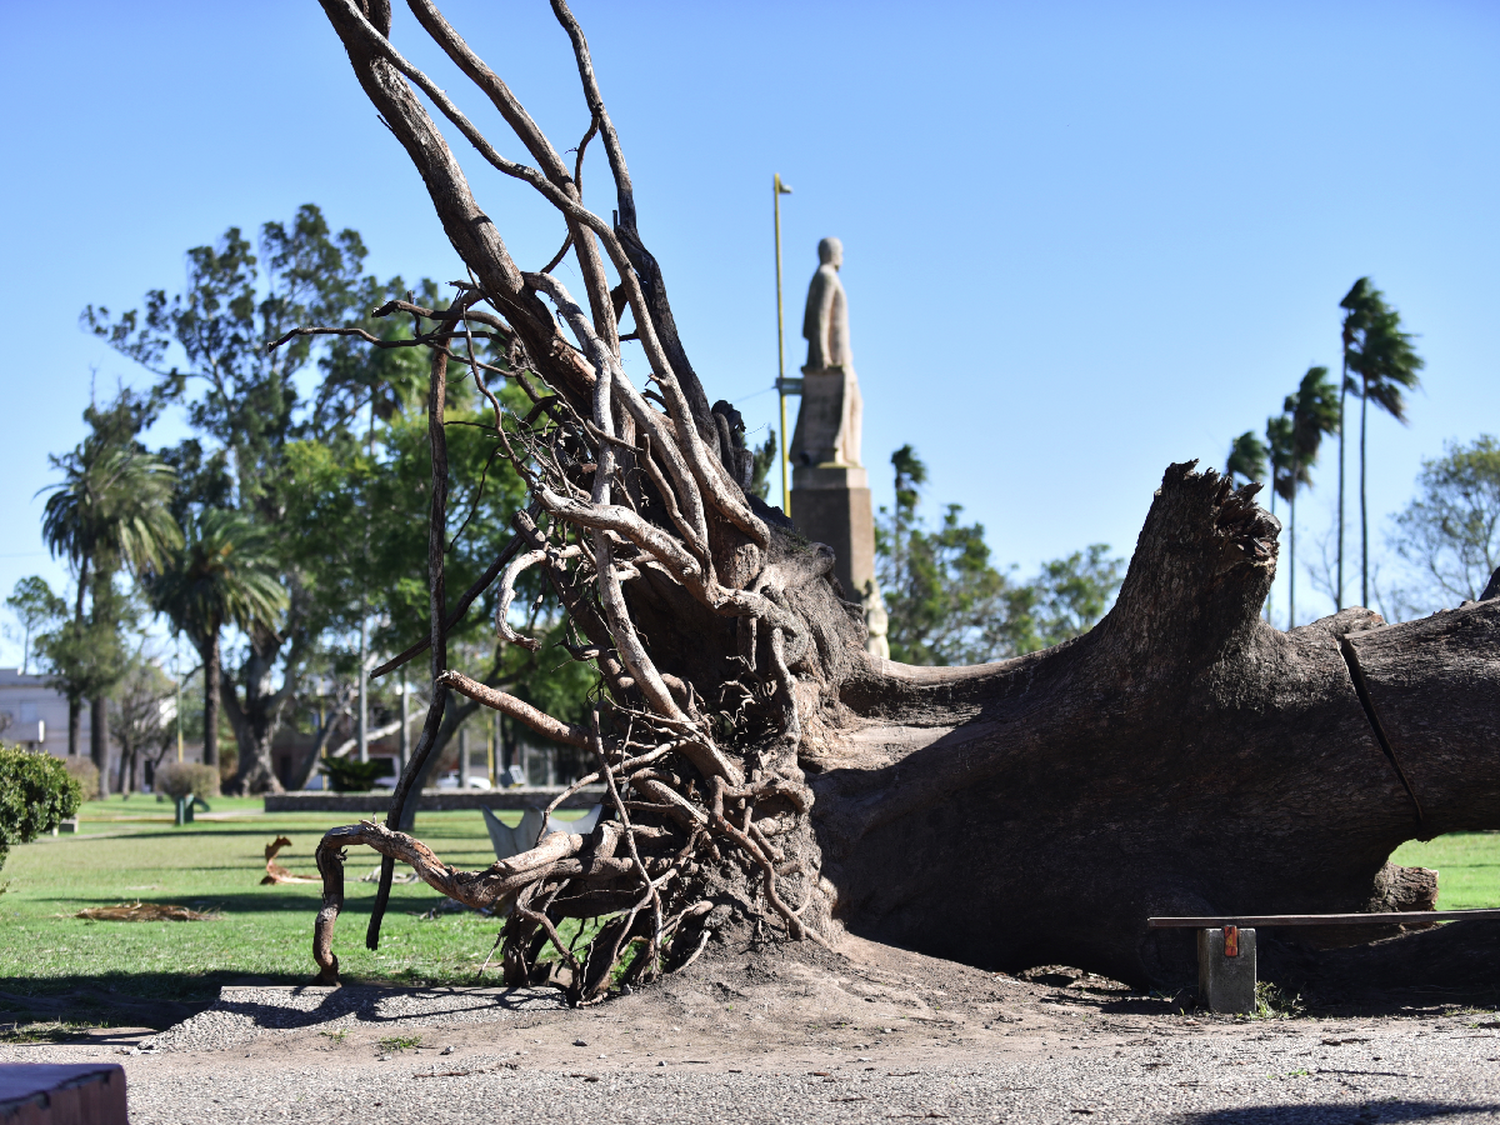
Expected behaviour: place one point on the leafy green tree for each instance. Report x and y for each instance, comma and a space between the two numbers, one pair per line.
210, 349
335, 476
1384, 363
763, 460
110, 511
948, 604
911, 475
226, 573
1073, 593
1247, 458
36, 607
1313, 410
1451, 531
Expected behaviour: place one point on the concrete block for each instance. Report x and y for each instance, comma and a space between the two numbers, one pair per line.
1226, 976
62, 1094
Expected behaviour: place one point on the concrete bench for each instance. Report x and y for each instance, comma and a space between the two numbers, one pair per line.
1226, 945
62, 1094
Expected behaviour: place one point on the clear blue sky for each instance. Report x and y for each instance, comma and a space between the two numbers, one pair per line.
1082, 240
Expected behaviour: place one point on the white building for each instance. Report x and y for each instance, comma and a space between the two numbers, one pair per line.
36, 715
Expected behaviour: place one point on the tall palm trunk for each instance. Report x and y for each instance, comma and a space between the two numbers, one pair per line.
1269, 593
1338, 589
75, 706
211, 678
99, 705
1291, 576
1364, 516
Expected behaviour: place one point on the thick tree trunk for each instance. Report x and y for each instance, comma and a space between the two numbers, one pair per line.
99, 740
212, 675
1182, 758
256, 721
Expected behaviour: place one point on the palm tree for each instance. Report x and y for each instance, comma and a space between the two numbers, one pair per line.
1382, 357
1279, 464
1356, 306
224, 574
1247, 457
111, 509
1314, 413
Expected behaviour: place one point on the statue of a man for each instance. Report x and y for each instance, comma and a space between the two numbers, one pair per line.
832, 413
825, 326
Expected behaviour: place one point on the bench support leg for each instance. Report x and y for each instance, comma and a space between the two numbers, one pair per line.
1226, 969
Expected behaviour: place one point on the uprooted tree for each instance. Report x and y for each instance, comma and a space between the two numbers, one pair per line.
763, 775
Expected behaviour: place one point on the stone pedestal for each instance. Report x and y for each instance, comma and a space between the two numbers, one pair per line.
831, 504
1226, 969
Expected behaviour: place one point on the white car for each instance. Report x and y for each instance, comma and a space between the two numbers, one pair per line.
449, 780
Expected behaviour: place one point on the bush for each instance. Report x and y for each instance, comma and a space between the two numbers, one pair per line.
83, 770
36, 794
350, 775
178, 779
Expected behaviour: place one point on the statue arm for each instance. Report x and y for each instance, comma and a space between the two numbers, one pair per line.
818, 319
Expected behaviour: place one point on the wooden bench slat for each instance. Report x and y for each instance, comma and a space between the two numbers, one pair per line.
1253, 921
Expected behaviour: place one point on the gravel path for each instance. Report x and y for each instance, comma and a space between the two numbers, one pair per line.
347, 1055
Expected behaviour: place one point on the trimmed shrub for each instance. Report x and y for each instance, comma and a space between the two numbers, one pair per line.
84, 771
178, 779
350, 775
36, 795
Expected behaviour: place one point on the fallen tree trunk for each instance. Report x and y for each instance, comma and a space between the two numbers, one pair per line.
1183, 758
766, 776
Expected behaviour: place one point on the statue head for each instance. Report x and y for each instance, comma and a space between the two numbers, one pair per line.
831, 252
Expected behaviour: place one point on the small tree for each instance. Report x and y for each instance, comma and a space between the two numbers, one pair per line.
1451, 531
141, 725
36, 608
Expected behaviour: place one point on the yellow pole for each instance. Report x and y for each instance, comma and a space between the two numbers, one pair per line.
177, 668
780, 189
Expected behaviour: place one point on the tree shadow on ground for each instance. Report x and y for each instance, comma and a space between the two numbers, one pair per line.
1299, 1114
156, 1000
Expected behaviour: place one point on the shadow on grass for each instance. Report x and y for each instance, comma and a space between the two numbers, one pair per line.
303, 898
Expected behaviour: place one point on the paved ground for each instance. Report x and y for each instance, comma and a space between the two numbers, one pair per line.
1026, 1054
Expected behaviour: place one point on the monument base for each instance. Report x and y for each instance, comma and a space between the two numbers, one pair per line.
831, 504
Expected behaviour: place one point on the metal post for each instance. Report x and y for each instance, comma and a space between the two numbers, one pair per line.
363, 733
463, 757
177, 669
780, 189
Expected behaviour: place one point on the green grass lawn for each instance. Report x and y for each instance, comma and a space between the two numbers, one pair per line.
129, 850
59, 968
1468, 867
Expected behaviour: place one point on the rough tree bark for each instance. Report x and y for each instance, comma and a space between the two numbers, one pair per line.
763, 772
